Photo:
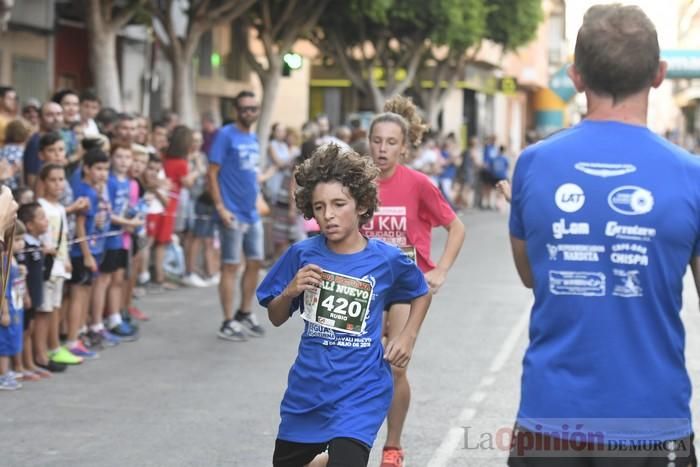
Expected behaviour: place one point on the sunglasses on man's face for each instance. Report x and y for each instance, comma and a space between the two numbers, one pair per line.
249, 109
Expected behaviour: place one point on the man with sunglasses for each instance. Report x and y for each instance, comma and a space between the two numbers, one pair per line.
233, 180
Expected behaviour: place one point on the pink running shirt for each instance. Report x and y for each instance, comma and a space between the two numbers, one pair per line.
409, 207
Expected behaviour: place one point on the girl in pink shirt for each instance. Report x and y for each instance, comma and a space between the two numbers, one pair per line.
410, 206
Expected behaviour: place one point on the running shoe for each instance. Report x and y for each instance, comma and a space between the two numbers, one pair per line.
64, 356
8, 383
213, 280
392, 457
193, 280
232, 330
79, 350
91, 340
250, 323
109, 339
138, 314
125, 332
53, 367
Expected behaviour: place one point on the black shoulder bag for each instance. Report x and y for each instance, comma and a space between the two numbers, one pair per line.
49, 259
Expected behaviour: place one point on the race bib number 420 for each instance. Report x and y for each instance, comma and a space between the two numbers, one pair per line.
341, 303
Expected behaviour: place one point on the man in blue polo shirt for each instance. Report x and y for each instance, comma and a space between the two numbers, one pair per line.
605, 220
233, 179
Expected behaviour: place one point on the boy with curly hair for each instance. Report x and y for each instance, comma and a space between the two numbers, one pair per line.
340, 385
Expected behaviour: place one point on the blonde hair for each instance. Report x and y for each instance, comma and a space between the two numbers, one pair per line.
403, 112
139, 150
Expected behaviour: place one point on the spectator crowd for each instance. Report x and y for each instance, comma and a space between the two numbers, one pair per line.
114, 206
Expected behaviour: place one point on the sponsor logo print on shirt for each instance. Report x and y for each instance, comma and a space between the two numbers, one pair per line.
631, 254
388, 224
569, 197
560, 229
316, 330
629, 232
568, 252
583, 283
627, 284
599, 169
631, 200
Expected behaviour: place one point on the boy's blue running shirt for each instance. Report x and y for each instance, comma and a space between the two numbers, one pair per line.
340, 385
610, 214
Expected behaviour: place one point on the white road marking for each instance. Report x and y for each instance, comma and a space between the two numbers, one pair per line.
455, 435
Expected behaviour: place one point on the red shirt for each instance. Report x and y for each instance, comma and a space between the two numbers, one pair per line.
175, 170
410, 206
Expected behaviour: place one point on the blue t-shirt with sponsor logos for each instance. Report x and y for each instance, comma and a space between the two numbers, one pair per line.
237, 153
97, 219
119, 197
610, 214
340, 385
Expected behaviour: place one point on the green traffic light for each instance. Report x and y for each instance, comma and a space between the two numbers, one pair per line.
293, 61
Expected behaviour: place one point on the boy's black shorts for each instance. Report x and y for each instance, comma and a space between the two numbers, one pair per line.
29, 315
114, 260
524, 453
80, 275
342, 452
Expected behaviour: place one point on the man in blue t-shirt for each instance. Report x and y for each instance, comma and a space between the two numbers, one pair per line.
233, 178
604, 222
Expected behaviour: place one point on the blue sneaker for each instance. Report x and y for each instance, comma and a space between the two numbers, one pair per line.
79, 350
9, 383
109, 339
125, 332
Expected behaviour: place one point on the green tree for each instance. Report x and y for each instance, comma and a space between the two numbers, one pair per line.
378, 44
513, 23
180, 46
278, 25
382, 45
464, 24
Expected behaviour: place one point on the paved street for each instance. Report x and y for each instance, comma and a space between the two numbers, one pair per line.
181, 397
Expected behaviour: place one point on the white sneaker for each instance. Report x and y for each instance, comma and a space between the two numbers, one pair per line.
144, 278
213, 280
193, 280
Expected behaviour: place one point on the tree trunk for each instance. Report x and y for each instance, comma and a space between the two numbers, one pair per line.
378, 97
270, 84
432, 112
183, 89
103, 61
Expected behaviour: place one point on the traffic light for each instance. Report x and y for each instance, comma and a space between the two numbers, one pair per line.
291, 61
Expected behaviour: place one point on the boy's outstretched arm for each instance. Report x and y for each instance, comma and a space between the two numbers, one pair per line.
398, 352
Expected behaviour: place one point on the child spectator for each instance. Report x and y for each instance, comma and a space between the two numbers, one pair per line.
203, 230
155, 198
116, 260
159, 138
33, 217
88, 250
135, 241
197, 180
52, 150
89, 108
176, 169
48, 352
17, 134
11, 316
